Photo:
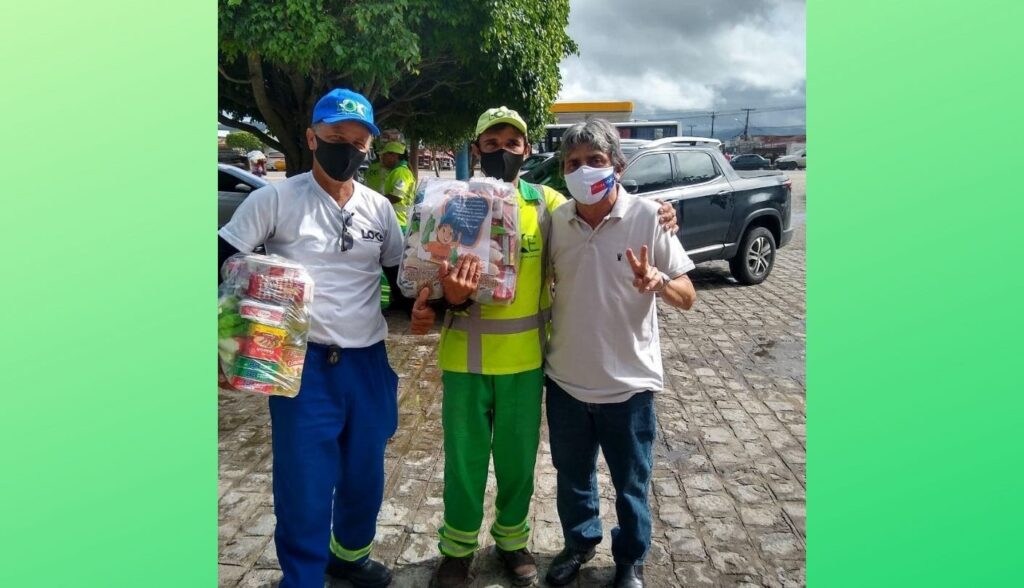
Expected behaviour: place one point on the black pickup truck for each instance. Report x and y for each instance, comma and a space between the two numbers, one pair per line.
739, 216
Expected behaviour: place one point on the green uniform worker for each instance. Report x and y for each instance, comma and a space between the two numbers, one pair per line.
374, 176
491, 360
400, 183
374, 180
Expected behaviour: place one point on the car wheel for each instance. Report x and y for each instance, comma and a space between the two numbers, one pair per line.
755, 258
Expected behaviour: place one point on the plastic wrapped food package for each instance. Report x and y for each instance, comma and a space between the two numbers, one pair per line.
451, 218
263, 313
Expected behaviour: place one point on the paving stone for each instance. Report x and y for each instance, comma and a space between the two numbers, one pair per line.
228, 576
702, 484
780, 545
711, 505
731, 562
260, 578
762, 516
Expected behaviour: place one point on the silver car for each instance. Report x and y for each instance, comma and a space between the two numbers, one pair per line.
233, 185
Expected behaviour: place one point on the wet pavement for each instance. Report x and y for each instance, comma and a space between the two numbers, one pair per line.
728, 494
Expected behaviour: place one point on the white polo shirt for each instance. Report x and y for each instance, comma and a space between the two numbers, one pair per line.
297, 219
604, 339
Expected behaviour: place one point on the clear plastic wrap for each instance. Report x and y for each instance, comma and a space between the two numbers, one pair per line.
451, 218
263, 311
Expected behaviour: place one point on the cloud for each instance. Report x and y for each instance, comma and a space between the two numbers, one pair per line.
669, 56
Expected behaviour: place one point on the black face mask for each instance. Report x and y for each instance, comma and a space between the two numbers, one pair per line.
339, 160
501, 164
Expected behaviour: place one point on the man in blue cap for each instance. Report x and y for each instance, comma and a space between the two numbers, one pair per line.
329, 441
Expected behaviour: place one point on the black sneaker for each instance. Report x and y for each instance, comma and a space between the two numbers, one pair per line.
365, 574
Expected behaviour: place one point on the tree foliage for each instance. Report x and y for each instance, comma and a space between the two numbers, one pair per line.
243, 140
429, 67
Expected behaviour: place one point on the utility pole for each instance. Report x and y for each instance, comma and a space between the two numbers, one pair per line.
712, 125
746, 125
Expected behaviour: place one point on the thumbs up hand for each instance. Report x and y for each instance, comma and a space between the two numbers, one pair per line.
422, 315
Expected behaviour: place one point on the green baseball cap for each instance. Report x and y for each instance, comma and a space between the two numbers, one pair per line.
496, 116
393, 147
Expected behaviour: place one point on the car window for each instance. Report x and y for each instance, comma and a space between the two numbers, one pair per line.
227, 182
694, 167
650, 172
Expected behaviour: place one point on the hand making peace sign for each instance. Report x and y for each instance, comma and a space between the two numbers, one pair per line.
646, 277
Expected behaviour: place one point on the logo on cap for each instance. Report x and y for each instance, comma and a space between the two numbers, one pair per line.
350, 106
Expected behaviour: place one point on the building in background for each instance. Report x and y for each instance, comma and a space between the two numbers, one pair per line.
766, 145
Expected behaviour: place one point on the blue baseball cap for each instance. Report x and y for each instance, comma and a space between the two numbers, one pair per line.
341, 104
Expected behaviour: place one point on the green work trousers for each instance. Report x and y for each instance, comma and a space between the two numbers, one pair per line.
482, 415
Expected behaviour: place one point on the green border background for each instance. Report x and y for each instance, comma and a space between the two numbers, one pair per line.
914, 293
108, 425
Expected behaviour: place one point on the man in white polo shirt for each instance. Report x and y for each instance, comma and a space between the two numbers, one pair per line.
328, 442
610, 260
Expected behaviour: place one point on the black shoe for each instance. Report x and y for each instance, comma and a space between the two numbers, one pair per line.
453, 572
627, 576
519, 565
365, 574
566, 566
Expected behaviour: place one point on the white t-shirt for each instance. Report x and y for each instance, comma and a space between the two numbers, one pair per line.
604, 335
297, 219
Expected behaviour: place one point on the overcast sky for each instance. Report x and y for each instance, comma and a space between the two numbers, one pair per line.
669, 56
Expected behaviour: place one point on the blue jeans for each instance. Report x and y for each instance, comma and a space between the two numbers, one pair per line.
625, 432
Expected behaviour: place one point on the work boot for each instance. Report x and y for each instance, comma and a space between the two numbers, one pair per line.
519, 565
453, 572
566, 566
363, 574
629, 576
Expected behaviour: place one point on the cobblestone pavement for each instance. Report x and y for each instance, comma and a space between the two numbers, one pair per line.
728, 493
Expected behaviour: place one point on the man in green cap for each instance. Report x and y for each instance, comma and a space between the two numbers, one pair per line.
375, 173
399, 183
491, 358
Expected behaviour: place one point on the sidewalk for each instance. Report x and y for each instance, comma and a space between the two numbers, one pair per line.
729, 483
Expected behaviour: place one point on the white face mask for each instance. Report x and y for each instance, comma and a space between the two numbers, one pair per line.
590, 185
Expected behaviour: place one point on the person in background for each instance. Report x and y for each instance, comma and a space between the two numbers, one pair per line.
399, 181
257, 162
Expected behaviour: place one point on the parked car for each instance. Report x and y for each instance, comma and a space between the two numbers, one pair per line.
631, 146
233, 185
275, 161
234, 157
723, 214
750, 161
535, 160
793, 161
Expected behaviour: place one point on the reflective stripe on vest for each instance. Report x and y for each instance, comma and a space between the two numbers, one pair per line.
475, 327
